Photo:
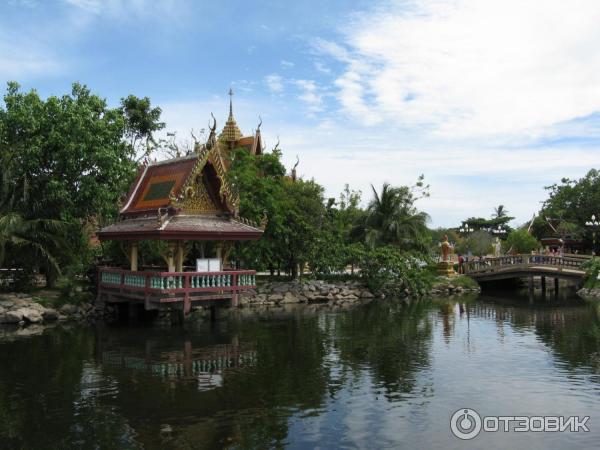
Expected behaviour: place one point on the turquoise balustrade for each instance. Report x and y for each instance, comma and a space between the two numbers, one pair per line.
111, 277
135, 280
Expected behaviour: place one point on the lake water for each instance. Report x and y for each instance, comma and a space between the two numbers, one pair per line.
381, 375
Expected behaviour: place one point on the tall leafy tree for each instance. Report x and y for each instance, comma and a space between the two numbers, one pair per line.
64, 160
499, 211
393, 219
570, 204
142, 121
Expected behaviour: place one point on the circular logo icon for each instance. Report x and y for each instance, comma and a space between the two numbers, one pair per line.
465, 423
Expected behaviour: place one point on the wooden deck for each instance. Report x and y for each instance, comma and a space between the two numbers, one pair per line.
161, 288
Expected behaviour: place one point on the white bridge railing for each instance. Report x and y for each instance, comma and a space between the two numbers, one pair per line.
522, 261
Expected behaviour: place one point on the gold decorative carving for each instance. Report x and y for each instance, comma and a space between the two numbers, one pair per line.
195, 197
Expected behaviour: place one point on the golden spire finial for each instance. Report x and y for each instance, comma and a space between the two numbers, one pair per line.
231, 133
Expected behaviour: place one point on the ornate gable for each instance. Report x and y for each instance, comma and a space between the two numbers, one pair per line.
207, 188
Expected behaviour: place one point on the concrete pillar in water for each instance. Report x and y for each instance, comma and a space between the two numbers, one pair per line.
133, 311
543, 285
530, 283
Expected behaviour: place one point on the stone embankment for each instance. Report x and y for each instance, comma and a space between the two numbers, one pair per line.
23, 309
448, 286
589, 293
336, 293
313, 291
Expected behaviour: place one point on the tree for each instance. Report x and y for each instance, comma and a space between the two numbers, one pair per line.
295, 211
479, 243
520, 241
392, 219
499, 212
142, 121
386, 269
570, 202
65, 160
34, 243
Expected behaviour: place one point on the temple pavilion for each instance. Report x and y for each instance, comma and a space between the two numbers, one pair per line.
180, 200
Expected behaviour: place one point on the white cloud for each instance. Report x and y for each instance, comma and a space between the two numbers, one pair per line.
274, 83
310, 95
23, 57
17, 64
465, 180
125, 9
473, 67
287, 64
322, 67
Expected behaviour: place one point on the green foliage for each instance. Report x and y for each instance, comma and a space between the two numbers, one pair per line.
306, 231
479, 243
32, 244
64, 164
572, 202
295, 211
392, 219
479, 223
141, 122
66, 155
386, 269
465, 282
520, 241
592, 269
500, 211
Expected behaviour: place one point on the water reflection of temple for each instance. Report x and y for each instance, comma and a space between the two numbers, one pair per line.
207, 364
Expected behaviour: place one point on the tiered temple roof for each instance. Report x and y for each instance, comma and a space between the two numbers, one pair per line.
188, 198
231, 137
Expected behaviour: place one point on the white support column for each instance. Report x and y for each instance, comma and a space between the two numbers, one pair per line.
133, 256
179, 257
221, 253
171, 257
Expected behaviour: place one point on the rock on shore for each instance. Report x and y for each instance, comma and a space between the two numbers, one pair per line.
448, 286
336, 293
589, 293
22, 309
312, 291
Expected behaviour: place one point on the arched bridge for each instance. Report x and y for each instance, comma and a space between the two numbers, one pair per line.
522, 266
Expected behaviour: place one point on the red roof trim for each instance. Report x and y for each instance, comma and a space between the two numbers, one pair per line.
180, 235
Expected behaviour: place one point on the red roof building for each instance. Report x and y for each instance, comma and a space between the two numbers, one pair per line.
179, 200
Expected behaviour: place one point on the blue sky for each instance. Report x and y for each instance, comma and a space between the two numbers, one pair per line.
490, 100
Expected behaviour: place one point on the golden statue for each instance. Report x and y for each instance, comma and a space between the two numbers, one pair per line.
445, 266
446, 249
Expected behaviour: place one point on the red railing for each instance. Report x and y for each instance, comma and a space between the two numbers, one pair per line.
183, 283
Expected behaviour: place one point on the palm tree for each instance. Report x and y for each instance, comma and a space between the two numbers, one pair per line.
499, 212
392, 219
33, 242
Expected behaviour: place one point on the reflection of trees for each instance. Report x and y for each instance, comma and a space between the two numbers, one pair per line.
392, 338
573, 334
37, 376
570, 327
